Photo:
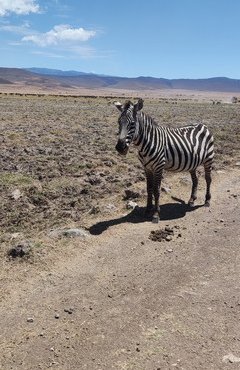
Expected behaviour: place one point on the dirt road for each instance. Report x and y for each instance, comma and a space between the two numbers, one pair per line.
124, 301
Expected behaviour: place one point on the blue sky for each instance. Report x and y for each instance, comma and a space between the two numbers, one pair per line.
160, 38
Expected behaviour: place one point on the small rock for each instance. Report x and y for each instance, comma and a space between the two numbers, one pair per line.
168, 238
69, 233
131, 205
57, 316
73, 233
30, 319
230, 358
16, 194
108, 163
170, 250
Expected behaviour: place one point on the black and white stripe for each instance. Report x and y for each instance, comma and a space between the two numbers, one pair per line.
159, 148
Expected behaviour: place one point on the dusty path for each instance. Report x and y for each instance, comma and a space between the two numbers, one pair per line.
127, 302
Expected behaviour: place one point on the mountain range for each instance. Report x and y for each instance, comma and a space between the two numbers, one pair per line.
54, 78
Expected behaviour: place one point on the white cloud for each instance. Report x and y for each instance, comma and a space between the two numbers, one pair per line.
82, 51
47, 54
23, 29
18, 7
60, 34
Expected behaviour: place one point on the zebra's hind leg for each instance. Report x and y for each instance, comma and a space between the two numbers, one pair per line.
193, 196
156, 192
208, 178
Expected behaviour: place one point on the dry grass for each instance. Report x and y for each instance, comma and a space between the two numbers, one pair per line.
60, 153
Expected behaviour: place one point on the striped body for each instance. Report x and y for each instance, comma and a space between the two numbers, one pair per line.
172, 149
162, 148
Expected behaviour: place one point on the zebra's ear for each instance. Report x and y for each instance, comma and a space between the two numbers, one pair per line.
118, 105
139, 105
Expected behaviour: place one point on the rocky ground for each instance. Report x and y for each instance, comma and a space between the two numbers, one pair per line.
89, 284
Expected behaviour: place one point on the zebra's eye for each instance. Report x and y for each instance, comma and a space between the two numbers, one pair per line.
117, 132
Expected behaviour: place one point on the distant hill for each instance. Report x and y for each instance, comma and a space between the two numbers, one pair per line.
53, 78
26, 78
55, 72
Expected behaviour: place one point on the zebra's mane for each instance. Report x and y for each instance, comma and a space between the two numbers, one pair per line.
127, 105
145, 118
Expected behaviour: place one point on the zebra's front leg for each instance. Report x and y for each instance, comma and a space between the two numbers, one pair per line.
193, 196
156, 192
149, 177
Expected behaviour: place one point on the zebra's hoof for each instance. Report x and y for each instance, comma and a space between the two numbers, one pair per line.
155, 219
191, 204
207, 203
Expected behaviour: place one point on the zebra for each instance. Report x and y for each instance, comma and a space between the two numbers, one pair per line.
163, 148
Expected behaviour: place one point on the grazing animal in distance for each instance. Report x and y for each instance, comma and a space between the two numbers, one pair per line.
163, 148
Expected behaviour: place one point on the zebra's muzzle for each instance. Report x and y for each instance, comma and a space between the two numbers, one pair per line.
122, 147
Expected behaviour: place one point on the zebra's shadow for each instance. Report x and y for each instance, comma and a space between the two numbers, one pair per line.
169, 211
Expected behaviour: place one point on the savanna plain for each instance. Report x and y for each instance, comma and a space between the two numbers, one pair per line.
86, 281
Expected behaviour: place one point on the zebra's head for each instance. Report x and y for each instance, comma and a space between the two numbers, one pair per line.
127, 124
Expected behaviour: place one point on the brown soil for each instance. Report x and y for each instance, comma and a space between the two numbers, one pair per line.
116, 299
123, 301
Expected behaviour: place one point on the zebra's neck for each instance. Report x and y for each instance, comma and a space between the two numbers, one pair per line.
144, 126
